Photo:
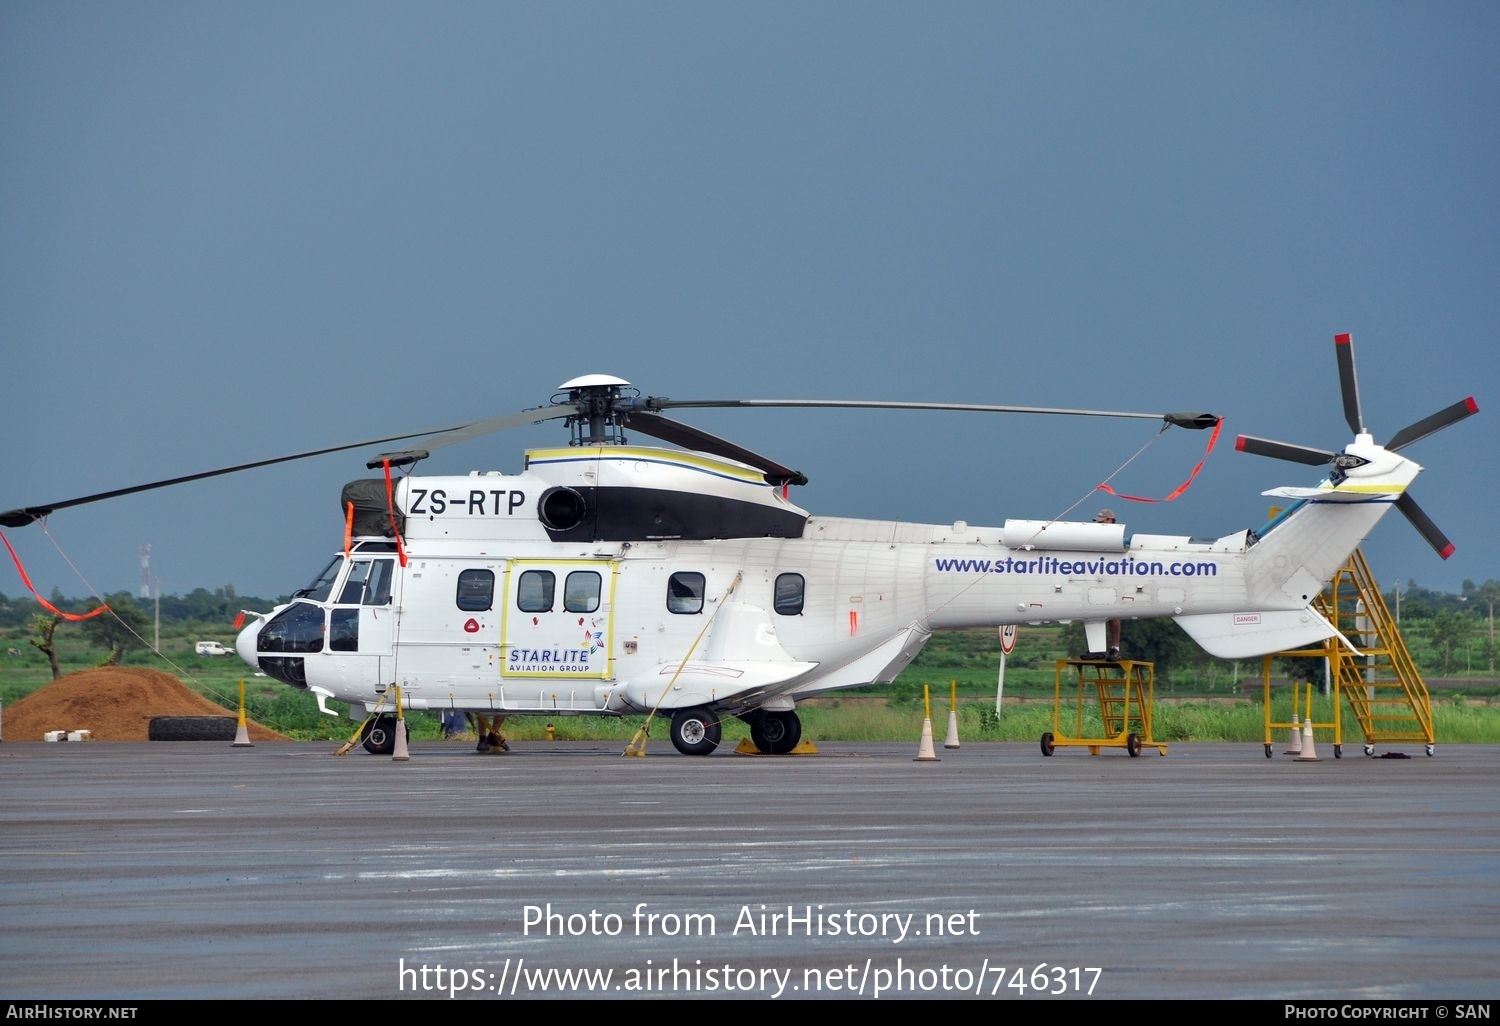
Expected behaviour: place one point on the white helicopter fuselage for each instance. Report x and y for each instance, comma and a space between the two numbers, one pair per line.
597, 582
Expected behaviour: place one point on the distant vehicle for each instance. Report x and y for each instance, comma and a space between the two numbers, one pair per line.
210, 648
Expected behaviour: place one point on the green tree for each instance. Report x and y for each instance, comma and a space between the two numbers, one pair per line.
45, 625
122, 627
1447, 634
1489, 594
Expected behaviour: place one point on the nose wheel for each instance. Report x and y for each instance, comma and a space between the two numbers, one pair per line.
379, 735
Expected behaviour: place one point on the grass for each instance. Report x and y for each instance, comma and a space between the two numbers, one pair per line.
1190, 708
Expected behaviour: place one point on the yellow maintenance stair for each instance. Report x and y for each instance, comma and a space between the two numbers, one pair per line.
1378, 679
1124, 691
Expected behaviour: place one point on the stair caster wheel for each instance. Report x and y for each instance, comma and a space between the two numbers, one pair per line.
1370, 751
1429, 751
1268, 751
1338, 751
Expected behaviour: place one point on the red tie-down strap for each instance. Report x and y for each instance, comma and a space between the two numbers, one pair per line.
348, 527
45, 604
390, 507
1212, 441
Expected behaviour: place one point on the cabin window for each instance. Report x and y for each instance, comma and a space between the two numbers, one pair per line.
789, 594
476, 590
685, 592
534, 591
581, 591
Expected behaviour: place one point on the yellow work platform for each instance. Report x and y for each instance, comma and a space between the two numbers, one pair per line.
1125, 690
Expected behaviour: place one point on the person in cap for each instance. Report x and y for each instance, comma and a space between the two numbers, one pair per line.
1112, 627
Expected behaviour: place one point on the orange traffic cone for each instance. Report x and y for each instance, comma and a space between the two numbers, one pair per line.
1309, 749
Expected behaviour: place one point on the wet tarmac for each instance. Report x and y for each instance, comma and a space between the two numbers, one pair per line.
198, 870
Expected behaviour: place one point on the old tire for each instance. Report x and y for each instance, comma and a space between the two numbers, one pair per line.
192, 728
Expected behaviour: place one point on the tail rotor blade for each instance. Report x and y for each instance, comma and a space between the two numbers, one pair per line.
1283, 451
1424, 525
1348, 384
1426, 426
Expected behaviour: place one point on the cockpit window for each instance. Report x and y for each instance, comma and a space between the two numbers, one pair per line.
322, 585
378, 593
353, 592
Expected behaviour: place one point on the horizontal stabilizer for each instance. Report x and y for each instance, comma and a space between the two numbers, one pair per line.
1329, 494
1243, 635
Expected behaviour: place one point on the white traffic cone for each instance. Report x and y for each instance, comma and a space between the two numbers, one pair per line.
1309, 749
242, 734
1294, 738
925, 752
399, 752
952, 739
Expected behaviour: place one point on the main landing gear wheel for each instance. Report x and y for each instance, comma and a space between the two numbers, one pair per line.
695, 731
775, 733
1048, 744
379, 734
1133, 745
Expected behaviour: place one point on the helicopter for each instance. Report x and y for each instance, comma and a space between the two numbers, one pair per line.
614, 578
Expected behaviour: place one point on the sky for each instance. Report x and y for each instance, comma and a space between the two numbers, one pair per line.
230, 232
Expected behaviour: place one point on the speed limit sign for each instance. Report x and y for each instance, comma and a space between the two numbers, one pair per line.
1008, 638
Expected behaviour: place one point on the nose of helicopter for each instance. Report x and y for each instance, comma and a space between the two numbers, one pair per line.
245, 642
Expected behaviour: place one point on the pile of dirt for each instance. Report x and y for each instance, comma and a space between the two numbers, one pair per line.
113, 703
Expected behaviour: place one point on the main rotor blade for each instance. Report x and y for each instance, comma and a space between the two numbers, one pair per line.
1424, 525
1193, 420
464, 432
1283, 451
26, 514
1348, 384
1427, 425
692, 438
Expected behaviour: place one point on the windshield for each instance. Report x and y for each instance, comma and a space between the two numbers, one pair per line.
322, 585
